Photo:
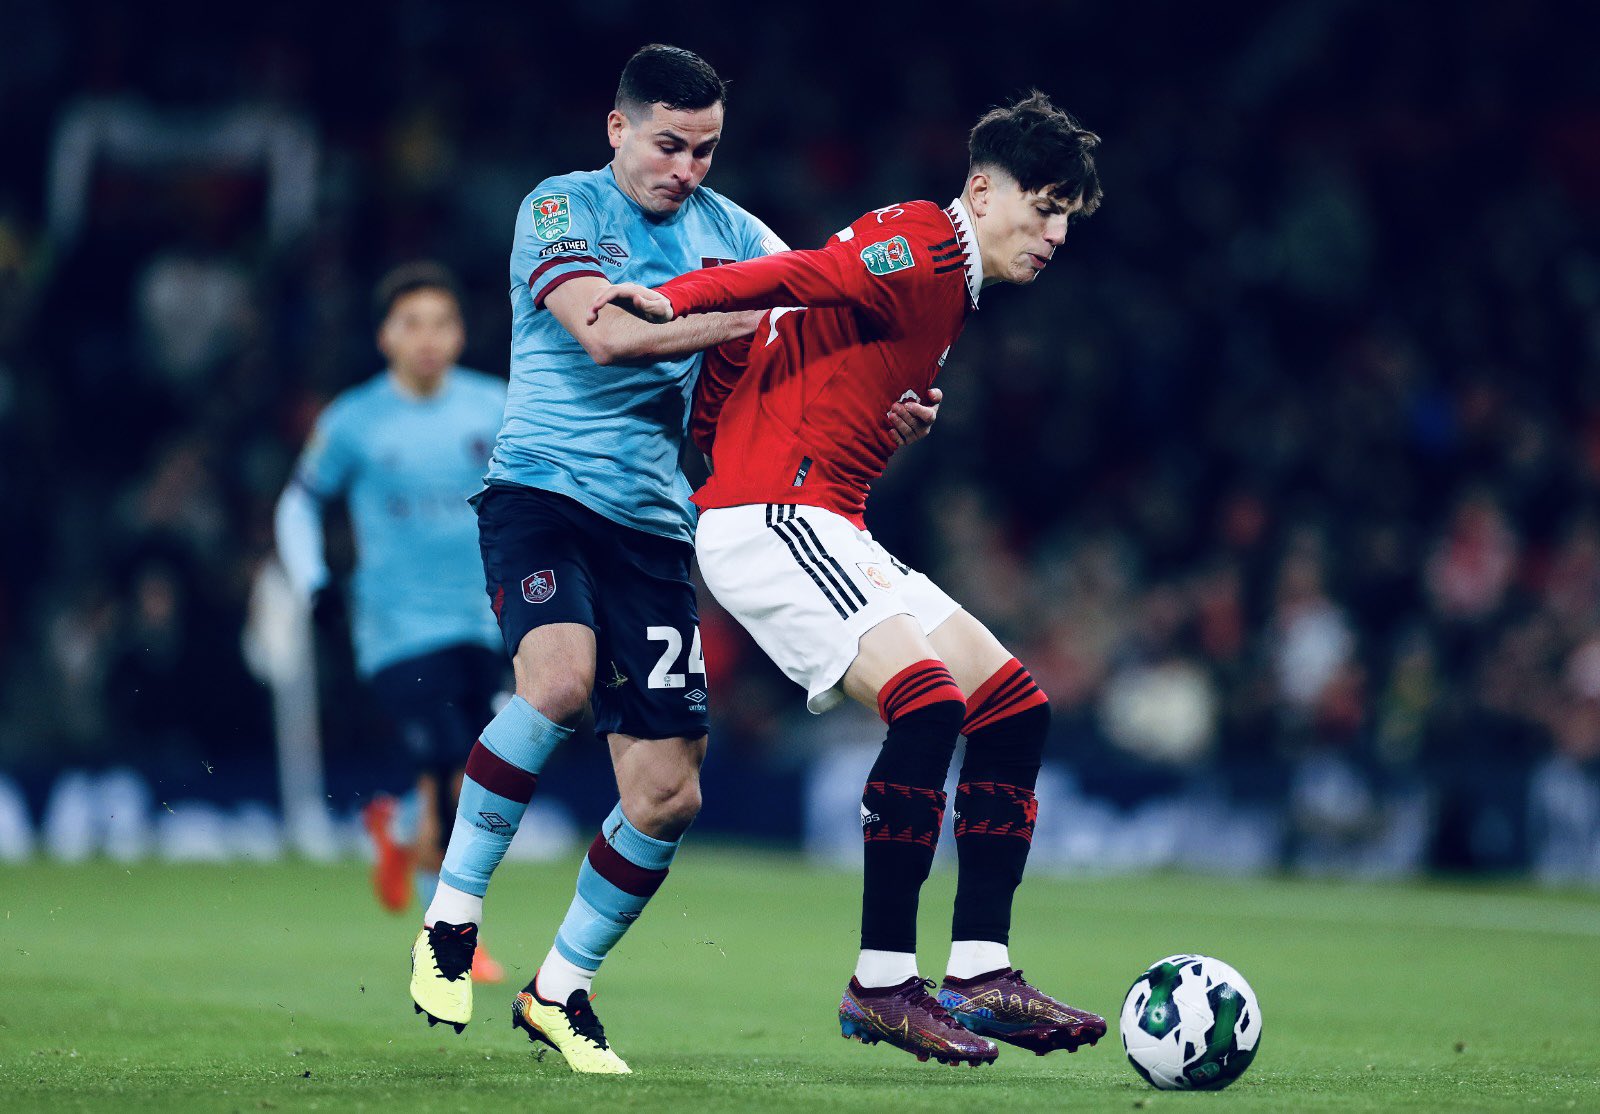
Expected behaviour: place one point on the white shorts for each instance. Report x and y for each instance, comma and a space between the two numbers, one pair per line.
807, 585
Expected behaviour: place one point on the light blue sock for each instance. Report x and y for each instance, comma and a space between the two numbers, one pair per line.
502, 772
623, 870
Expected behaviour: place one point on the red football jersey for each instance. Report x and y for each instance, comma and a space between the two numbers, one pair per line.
798, 413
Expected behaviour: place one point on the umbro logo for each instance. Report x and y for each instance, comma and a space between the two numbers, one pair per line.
496, 822
695, 696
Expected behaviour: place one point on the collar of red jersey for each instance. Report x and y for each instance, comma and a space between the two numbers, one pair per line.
967, 233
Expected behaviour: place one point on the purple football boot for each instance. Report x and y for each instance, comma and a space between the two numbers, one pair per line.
1002, 1005
908, 1017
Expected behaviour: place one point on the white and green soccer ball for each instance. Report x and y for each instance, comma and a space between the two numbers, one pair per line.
1190, 1023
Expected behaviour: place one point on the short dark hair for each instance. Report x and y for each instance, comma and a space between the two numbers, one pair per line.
408, 278
1042, 147
671, 76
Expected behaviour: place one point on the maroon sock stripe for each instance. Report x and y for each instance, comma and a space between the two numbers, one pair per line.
1009, 691
629, 877
916, 686
498, 776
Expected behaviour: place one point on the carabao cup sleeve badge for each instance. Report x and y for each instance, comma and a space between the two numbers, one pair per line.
552, 216
888, 257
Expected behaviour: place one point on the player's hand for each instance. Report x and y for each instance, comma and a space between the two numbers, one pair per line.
638, 300
912, 421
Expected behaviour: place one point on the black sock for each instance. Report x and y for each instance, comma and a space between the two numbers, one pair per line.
903, 805
995, 809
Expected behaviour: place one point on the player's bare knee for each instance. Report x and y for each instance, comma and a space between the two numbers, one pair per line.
558, 692
664, 809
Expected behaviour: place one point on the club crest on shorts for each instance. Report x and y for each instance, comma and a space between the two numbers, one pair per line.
875, 575
552, 216
540, 586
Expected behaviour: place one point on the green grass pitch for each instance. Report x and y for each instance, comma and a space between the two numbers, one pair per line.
282, 987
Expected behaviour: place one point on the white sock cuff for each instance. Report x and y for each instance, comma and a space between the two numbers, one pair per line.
558, 977
971, 958
878, 969
453, 906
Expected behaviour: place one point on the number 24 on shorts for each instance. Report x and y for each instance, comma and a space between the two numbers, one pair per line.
660, 675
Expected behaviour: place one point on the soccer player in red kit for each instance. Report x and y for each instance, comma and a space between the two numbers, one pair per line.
783, 545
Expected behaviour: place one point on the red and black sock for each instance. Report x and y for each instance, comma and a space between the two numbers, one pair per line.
903, 805
1006, 723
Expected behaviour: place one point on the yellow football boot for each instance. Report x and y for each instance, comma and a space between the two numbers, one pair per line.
441, 973
572, 1030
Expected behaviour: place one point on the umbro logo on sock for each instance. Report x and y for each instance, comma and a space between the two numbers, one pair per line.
495, 821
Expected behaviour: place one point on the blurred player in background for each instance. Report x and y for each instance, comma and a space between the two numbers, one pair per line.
586, 532
405, 450
782, 544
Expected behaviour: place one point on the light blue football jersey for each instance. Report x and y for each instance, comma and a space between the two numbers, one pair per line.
608, 437
406, 466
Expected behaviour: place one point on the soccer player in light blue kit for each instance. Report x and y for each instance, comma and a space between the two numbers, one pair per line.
404, 450
586, 534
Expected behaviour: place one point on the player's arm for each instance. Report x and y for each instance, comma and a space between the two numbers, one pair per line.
322, 473
297, 528
830, 276
614, 337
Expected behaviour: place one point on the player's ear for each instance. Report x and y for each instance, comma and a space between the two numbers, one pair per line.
616, 128
979, 185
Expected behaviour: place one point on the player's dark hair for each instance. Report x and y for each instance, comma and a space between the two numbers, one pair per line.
1042, 147
409, 278
671, 76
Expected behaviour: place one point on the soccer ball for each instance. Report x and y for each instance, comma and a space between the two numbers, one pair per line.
1190, 1023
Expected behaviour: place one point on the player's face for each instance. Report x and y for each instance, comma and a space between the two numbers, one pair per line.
661, 158
1018, 230
422, 337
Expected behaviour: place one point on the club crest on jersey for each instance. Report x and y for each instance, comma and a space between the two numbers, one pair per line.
540, 586
888, 256
552, 216
877, 577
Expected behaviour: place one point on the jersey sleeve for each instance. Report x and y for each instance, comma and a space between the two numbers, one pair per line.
759, 240
322, 473
329, 459
847, 272
557, 230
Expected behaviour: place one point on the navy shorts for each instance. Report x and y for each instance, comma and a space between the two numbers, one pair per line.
549, 559
435, 705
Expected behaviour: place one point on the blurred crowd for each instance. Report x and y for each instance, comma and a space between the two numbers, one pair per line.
1284, 481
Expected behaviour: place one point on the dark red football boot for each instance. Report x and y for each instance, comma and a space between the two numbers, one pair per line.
1000, 1004
908, 1017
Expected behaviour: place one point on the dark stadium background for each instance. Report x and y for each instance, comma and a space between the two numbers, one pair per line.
1283, 481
